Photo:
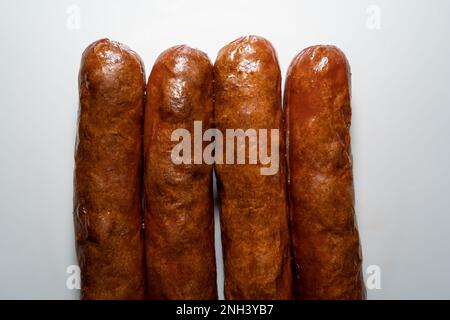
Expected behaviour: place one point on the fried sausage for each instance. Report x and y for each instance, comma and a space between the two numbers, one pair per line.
254, 212
324, 232
179, 213
108, 160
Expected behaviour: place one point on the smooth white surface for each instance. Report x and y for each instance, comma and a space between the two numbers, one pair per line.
400, 133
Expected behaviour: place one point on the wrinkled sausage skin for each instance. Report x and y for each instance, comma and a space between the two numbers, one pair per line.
179, 213
325, 237
108, 211
254, 212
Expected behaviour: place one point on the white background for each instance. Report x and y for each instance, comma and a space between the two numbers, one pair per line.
400, 132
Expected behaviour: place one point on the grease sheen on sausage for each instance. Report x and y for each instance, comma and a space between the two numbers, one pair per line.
108, 211
179, 214
254, 213
326, 241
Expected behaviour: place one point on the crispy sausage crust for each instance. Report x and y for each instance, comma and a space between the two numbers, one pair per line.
254, 214
179, 202
107, 211
325, 237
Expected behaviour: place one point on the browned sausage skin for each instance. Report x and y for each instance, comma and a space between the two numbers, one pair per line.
178, 197
254, 213
325, 237
108, 154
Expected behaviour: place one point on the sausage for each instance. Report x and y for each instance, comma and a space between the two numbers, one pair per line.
325, 237
108, 161
179, 213
254, 212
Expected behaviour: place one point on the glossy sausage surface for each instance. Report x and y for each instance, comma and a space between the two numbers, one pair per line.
108, 211
254, 213
179, 214
325, 236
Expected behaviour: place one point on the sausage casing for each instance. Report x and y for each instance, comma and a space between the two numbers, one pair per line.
254, 213
179, 214
325, 237
107, 202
